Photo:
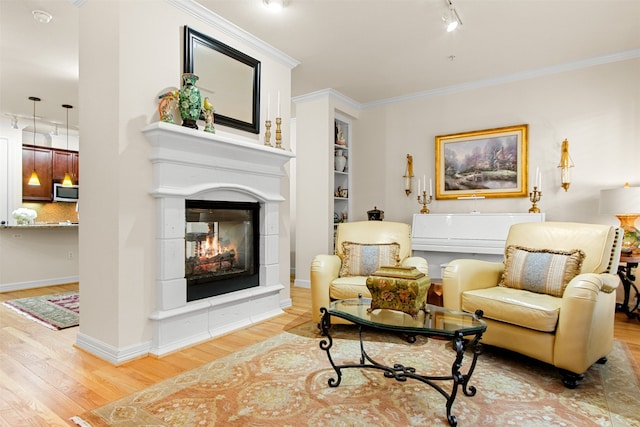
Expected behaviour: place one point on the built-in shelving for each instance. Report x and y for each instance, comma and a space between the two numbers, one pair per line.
341, 174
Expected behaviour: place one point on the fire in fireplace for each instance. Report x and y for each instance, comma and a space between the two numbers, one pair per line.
221, 247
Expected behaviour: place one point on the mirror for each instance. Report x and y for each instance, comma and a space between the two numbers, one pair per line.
228, 77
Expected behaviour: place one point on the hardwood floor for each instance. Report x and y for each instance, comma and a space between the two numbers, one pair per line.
45, 380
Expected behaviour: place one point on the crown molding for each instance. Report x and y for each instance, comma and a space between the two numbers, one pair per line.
200, 12
524, 75
327, 93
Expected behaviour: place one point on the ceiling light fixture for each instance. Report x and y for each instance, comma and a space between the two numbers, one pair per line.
274, 4
41, 16
67, 182
34, 180
451, 17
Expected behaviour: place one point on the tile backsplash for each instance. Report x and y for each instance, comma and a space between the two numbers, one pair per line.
54, 212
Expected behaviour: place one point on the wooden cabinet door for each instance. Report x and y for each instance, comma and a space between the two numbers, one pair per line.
62, 163
39, 158
75, 167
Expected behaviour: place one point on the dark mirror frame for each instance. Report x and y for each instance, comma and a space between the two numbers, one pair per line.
192, 36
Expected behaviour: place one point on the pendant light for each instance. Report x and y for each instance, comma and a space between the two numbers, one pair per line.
67, 182
34, 180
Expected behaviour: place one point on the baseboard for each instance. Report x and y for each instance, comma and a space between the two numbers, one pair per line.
110, 353
17, 286
302, 283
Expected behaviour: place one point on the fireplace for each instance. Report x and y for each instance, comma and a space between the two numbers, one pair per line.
221, 247
237, 186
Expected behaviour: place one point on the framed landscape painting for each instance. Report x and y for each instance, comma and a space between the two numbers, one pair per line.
483, 163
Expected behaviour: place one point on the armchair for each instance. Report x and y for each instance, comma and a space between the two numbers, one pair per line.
330, 279
570, 329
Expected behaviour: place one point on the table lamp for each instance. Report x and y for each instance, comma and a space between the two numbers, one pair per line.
624, 203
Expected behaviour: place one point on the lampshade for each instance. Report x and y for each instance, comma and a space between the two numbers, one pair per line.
33, 179
622, 200
624, 203
67, 182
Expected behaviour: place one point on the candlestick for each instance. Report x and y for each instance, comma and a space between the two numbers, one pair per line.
430, 188
267, 133
278, 133
424, 201
534, 197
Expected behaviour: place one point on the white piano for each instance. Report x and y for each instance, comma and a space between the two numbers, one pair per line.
440, 238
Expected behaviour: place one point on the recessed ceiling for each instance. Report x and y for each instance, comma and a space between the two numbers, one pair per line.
368, 50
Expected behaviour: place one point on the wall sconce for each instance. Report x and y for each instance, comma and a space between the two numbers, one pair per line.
624, 203
565, 164
408, 175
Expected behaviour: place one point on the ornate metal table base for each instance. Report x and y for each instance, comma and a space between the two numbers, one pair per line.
625, 272
401, 373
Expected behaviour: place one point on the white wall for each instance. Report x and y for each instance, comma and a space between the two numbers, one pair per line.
34, 256
597, 109
315, 115
126, 61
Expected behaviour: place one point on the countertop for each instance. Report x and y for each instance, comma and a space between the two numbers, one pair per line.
43, 225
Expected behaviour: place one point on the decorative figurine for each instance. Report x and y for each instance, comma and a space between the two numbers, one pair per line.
208, 111
166, 105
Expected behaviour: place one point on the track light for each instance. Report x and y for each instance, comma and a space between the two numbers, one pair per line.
42, 16
451, 17
274, 4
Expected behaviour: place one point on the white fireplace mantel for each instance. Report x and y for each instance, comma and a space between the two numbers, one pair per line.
193, 164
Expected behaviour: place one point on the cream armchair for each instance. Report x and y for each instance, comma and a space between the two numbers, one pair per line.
571, 331
326, 282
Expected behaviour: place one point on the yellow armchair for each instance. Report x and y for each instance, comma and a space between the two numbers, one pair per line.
326, 283
570, 331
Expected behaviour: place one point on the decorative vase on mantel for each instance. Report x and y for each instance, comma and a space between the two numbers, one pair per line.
190, 103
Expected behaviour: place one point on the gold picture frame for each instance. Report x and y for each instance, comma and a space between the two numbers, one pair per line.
483, 163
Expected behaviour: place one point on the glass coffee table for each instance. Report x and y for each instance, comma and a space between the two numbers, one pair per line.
463, 329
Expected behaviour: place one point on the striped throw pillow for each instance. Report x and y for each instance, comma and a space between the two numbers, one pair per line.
360, 259
544, 271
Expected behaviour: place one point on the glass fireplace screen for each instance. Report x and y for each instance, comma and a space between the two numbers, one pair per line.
221, 244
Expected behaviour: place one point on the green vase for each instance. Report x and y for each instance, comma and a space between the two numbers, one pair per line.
190, 102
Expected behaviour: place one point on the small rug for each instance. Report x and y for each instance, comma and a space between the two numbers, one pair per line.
283, 382
57, 311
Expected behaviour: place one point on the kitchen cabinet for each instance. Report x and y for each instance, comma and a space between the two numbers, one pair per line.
51, 165
40, 159
65, 161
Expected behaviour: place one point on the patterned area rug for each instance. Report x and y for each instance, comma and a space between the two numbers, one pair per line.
283, 382
58, 311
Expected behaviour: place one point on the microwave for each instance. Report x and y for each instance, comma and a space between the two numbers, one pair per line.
65, 194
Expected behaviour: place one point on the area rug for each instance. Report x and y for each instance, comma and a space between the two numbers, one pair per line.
57, 311
283, 382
